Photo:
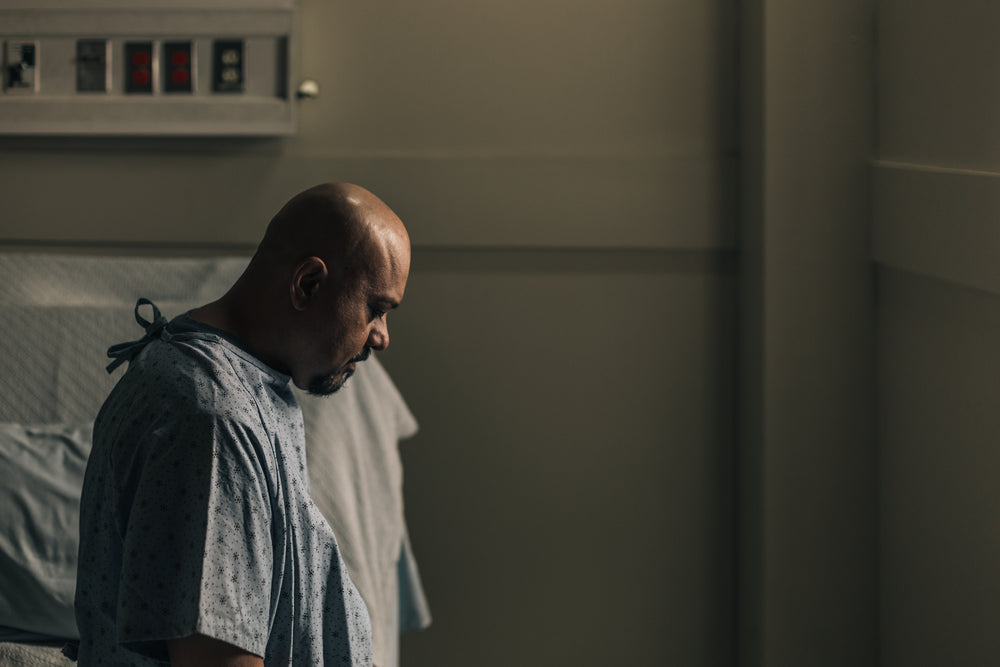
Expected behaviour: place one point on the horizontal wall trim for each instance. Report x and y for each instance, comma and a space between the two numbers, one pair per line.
126, 248
572, 260
227, 198
940, 222
443, 259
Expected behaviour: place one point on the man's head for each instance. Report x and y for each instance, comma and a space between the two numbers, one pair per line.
333, 263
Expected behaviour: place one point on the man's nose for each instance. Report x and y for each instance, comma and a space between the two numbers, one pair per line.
378, 339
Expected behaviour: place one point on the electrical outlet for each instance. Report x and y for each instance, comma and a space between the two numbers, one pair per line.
228, 68
178, 67
139, 67
92, 63
21, 66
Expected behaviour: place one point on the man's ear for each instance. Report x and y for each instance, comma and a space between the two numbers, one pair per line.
307, 279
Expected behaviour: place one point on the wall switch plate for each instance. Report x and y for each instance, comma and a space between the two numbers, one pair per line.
92, 66
20, 67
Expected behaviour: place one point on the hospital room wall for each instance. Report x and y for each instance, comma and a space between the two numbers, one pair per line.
935, 239
808, 554
568, 173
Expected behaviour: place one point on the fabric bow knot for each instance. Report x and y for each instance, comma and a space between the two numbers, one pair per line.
123, 352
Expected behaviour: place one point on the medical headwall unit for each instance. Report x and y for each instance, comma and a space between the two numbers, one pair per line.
147, 67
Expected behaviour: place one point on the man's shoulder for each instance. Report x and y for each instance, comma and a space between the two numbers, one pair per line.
180, 365
175, 392
203, 374
194, 375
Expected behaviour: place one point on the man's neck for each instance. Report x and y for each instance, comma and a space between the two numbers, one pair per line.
242, 321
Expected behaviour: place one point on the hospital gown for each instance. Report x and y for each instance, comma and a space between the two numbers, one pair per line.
196, 515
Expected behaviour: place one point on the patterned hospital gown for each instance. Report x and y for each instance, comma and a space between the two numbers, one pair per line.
196, 515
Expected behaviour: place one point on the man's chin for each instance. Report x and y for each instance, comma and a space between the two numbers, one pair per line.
331, 384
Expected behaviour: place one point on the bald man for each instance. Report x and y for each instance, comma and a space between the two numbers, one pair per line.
199, 542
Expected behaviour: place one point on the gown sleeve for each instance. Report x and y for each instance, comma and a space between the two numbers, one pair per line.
196, 515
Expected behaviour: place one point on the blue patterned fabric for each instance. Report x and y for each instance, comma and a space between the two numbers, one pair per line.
154, 329
196, 515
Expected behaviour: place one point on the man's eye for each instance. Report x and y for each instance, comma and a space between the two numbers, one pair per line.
375, 312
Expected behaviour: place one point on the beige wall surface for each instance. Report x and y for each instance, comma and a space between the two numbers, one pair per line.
808, 541
567, 171
938, 104
937, 195
551, 123
939, 369
566, 494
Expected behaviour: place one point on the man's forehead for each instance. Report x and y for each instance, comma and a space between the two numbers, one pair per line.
384, 279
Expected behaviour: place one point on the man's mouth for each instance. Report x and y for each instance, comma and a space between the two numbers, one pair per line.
364, 354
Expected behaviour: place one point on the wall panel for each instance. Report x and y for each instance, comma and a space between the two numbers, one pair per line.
939, 379
568, 172
935, 238
567, 491
594, 202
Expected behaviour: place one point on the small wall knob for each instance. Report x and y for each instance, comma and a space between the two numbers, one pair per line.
308, 89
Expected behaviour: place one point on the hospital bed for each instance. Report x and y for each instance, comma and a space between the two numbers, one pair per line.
58, 315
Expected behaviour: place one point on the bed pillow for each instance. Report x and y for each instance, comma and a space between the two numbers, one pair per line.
40, 486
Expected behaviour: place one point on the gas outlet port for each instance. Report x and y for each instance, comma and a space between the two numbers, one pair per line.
21, 66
